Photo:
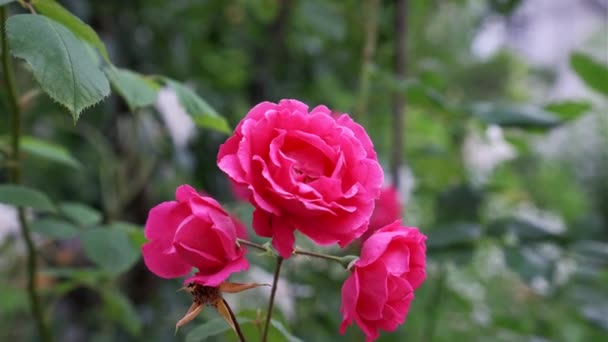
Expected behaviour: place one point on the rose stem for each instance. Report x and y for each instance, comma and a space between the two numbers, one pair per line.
318, 255
297, 251
252, 244
15, 178
272, 295
434, 305
237, 327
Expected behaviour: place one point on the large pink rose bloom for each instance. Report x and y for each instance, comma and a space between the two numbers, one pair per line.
305, 170
193, 231
378, 293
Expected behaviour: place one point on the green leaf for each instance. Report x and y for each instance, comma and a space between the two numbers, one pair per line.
593, 73
49, 151
85, 276
22, 196
454, 234
4, 2
58, 13
591, 253
12, 300
110, 249
210, 328
514, 116
201, 112
523, 229
281, 328
60, 62
135, 89
136, 233
568, 110
80, 214
54, 228
120, 309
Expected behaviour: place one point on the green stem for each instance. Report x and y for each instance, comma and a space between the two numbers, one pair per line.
344, 261
15, 178
370, 9
253, 244
298, 251
237, 327
434, 306
273, 293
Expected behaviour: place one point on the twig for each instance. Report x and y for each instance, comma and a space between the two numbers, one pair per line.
399, 96
273, 293
252, 244
369, 49
237, 327
345, 260
434, 306
15, 178
318, 255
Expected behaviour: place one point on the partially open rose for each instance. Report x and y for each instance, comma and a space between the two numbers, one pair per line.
378, 293
193, 231
308, 171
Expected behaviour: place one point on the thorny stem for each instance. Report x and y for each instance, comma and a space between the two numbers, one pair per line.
237, 327
15, 178
273, 293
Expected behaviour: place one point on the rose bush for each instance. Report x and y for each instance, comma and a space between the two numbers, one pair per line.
308, 171
194, 231
378, 293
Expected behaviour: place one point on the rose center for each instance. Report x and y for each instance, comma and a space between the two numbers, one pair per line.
302, 175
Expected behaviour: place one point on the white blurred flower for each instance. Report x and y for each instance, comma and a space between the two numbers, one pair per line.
285, 297
179, 124
482, 153
546, 220
9, 224
407, 183
540, 285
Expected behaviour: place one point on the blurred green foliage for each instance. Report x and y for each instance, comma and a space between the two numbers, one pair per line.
521, 255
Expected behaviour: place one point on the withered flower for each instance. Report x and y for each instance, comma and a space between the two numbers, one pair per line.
212, 296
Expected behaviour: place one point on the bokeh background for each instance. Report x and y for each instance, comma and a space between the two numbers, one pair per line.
489, 116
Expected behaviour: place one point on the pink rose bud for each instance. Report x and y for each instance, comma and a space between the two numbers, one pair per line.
308, 171
193, 231
378, 293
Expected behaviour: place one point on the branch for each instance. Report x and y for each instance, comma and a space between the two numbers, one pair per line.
15, 178
369, 49
399, 96
273, 293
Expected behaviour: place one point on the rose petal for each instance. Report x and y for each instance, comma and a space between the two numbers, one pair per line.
164, 219
350, 294
374, 293
185, 192
215, 279
162, 261
283, 236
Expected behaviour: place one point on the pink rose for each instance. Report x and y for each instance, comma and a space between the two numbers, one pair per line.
378, 293
193, 231
308, 171
386, 211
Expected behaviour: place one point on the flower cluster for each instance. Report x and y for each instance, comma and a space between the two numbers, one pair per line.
307, 171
